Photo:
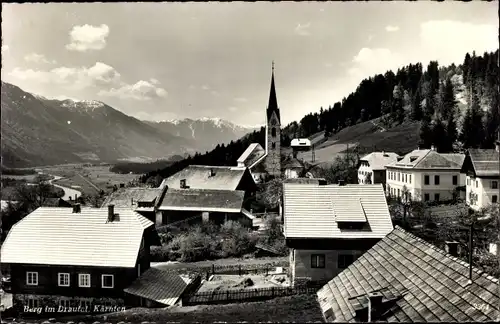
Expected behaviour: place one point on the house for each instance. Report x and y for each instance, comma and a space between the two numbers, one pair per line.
426, 175
268, 158
141, 200
404, 279
327, 227
293, 167
300, 144
482, 171
212, 177
372, 167
77, 257
189, 206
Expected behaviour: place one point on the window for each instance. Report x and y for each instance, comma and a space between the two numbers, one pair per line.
63, 280
84, 280
476, 183
273, 132
468, 181
436, 180
409, 178
317, 261
455, 180
436, 197
273, 145
426, 197
32, 278
107, 281
494, 184
399, 192
64, 303
32, 303
406, 178
345, 260
494, 199
399, 174
426, 179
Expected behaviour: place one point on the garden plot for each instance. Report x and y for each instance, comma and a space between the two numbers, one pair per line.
235, 282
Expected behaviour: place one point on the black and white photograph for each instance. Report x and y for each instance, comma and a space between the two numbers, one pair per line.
307, 161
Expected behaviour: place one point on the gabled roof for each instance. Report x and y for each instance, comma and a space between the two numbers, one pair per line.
484, 163
378, 160
253, 154
429, 159
310, 210
128, 197
425, 283
300, 142
57, 236
164, 287
229, 201
197, 177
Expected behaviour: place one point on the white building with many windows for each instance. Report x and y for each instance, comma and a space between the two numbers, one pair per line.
371, 168
426, 175
481, 168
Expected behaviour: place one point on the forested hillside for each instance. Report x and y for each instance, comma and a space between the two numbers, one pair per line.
456, 107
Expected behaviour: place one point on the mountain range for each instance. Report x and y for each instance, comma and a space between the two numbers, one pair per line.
39, 131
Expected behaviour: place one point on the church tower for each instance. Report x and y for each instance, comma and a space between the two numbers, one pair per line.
273, 133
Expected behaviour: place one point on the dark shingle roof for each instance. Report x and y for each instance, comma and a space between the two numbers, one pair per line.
428, 285
203, 200
485, 162
123, 197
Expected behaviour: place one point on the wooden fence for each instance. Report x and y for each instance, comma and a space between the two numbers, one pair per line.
245, 295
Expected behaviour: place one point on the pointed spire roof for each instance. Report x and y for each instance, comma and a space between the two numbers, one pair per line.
273, 101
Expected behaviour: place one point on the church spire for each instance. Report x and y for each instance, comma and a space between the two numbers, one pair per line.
273, 102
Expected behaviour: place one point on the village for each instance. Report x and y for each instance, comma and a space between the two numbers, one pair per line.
351, 248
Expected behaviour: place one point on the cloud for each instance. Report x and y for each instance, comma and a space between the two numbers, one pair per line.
240, 99
76, 78
141, 90
303, 30
86, 38
215, 93
233, 109
205, 87
38, 58
439, 36
391, 28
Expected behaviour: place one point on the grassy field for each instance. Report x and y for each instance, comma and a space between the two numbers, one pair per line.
298, 308
88, 179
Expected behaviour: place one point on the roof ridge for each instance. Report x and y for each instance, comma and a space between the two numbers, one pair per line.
475, 269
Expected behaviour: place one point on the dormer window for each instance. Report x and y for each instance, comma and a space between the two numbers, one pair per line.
413, 159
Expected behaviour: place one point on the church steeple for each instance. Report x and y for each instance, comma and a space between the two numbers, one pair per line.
273, 101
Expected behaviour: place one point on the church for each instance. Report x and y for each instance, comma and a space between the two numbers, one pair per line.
264, 162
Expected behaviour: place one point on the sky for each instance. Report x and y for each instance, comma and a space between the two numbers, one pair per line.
164, 61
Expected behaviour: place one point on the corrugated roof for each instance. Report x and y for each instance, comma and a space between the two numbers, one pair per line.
57, 236
252, 154
427, 284
197, 177
485, 162
309, 210
429, 159
378, 160
348, 210
203, 200
123, 197
164, 287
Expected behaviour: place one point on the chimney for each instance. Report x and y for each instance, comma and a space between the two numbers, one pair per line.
341, 182
70, 198
183, 183
111, 213
76, 208
451, 247
374, 302
211, 173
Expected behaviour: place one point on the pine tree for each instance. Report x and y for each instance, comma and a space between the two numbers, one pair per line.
425, 134
448, 101
416, 106
451, 133
439, 136
492, 123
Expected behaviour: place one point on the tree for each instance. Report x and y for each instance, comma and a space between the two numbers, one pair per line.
416, 106
344, 167
425, 134
451, 133
439, 135
492, 124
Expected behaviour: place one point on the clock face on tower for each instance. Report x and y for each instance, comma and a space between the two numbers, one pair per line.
273, 122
